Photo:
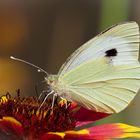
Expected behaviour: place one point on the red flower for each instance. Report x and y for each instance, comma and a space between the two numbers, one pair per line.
22, 119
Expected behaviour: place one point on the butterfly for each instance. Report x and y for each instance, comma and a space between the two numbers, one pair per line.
104, 73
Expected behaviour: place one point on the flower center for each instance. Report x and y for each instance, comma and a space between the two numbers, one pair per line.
37, 120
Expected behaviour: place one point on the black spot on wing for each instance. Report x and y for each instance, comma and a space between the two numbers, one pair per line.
111, 52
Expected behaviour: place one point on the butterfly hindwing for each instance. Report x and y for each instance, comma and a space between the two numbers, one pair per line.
102, 86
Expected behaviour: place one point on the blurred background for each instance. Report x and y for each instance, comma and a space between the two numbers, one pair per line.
46, 32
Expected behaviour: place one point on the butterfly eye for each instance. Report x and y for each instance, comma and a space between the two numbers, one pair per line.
51, 81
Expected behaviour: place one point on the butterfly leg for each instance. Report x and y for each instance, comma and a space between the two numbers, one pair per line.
53, 100
44, 91
46, 98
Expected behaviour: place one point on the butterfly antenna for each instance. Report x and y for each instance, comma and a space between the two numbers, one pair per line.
39, 69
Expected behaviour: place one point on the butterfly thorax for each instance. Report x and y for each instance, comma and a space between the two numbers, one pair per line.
56, 85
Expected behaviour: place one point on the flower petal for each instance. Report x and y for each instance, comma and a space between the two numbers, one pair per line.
52, 136
86, 115
9, 125
128, 131
102, 132
109, 131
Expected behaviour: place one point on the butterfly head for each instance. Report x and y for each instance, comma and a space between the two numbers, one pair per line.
56, 85
52, 81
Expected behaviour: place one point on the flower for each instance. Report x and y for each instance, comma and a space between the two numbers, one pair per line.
24, 119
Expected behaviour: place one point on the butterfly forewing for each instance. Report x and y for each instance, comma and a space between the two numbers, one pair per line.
104, 74
122, 37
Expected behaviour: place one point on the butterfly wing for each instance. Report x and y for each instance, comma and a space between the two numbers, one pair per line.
101, 86
120, 38
104, 74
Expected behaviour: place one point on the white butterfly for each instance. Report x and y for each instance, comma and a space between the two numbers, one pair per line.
104, 73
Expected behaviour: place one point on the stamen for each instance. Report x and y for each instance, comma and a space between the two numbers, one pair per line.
64, 101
